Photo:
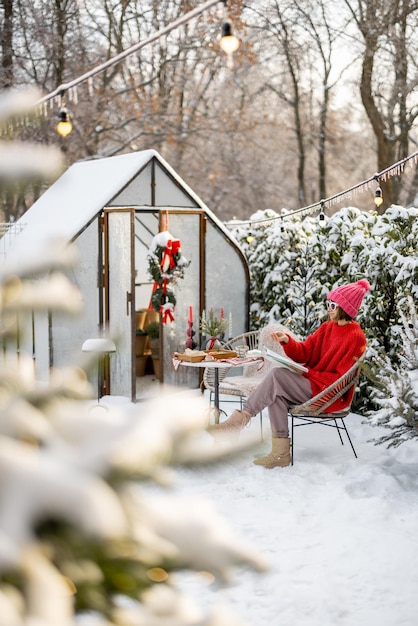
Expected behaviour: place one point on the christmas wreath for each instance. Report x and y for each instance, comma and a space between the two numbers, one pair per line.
166, 264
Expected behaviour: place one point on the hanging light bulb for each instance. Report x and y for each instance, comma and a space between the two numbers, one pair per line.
250, 238
64, 126
322, 214
228, 43
378, 197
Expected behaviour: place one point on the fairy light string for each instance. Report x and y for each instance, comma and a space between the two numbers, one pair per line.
393, 170
68, 90
70, 87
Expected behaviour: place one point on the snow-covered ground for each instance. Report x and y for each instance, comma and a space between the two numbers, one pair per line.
340, 533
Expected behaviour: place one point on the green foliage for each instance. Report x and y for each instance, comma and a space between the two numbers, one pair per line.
395, 389
165, 273
159, 297
211, 325
153, 330
98, 569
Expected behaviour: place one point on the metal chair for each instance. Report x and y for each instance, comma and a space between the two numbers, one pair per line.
313, 411
249, 339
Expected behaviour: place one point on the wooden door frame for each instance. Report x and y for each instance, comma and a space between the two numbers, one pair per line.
130, 296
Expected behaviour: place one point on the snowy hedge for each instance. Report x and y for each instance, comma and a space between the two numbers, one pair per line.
294, 263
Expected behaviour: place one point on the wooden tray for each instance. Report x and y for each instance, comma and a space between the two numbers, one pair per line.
222, 354
191, 358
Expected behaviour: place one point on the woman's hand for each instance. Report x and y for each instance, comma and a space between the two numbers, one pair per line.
280, 337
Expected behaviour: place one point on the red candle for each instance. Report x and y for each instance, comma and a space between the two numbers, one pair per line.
190, 314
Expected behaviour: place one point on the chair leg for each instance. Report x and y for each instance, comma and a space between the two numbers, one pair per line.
348, 437
338, 430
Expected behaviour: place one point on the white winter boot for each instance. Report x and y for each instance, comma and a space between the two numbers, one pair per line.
279, 455
231, 427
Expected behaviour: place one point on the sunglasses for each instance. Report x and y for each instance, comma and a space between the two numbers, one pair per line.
331, 305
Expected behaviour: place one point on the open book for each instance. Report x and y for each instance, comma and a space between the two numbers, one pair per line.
280, 359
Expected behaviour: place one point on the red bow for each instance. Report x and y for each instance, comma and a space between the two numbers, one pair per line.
167, 261
166, 312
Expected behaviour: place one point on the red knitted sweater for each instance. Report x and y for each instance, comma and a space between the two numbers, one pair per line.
328, 353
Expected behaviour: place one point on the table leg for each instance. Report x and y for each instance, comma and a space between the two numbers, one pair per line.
217, 412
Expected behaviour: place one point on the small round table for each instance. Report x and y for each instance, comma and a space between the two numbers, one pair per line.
218, 364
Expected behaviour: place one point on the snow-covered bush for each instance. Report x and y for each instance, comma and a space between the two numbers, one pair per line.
396, 385
294, 262
293, 257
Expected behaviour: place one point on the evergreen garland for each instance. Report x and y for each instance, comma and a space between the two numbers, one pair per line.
165, 267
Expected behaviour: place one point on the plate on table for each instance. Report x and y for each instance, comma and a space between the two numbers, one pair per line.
221, 354
190, 357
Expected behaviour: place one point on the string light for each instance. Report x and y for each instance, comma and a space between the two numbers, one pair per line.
378, 197
71, 87
229, 43
393, 170
64, 126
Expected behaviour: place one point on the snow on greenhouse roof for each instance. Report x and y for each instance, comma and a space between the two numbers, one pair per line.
82, 191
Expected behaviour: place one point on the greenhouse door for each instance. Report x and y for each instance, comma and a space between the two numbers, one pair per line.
119, 299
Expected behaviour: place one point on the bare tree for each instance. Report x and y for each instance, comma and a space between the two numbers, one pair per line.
6, 39
280, 41
302, 36
388, 78
322, 27
262, 135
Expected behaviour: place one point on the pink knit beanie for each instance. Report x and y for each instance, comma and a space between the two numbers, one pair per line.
349, 297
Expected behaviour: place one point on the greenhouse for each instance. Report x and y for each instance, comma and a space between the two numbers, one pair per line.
112, 210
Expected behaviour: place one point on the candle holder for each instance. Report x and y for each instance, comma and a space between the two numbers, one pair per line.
190, 332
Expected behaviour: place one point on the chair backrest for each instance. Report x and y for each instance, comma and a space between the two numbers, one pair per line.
266, 341
249, 339
254, 339
346, 384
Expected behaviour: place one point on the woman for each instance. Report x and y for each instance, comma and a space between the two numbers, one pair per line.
328, 353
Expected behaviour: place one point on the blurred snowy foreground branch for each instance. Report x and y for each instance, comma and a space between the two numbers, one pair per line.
81, 540
19, 160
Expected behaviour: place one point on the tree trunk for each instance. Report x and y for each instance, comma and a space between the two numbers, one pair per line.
7, 45
383, 145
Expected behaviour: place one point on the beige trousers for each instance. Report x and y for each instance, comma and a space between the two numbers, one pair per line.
280, 389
